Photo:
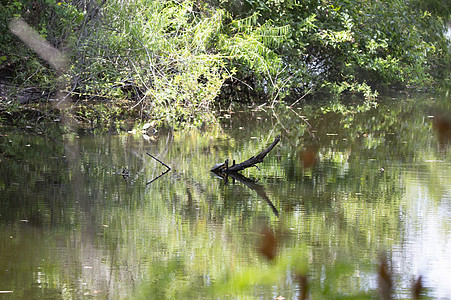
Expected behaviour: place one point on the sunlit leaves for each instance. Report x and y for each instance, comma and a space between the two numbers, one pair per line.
251, 42
350, 46
163, 54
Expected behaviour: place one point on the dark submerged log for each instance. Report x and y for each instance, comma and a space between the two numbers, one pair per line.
225, 169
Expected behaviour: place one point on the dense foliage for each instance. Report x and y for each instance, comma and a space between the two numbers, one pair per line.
353, 45
172, 59
190, 235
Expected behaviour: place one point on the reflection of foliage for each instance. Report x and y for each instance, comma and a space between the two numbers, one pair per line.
25, 183
28, 269
188, 234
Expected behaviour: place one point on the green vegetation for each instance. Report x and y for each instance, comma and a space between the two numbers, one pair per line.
191, 235
172, 61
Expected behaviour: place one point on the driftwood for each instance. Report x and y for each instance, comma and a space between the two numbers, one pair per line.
251, 162
224, 171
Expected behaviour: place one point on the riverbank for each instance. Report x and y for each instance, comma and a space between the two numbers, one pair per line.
174, 62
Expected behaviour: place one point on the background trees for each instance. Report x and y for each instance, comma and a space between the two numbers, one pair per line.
169, 61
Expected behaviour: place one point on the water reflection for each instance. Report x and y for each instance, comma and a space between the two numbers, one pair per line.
255, 187
335, 192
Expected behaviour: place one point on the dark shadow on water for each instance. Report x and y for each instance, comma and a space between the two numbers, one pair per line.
259, 189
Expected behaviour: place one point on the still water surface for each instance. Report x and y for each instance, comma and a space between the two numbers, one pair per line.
337, 191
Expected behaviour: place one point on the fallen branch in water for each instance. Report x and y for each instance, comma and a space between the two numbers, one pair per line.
168, 168
251, 162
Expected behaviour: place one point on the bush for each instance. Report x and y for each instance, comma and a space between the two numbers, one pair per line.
171, 58
160, 58
356, 43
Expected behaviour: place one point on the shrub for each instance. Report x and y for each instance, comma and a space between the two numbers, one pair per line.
352, 43
171, 58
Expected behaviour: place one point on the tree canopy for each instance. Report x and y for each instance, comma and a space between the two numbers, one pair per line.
171, 61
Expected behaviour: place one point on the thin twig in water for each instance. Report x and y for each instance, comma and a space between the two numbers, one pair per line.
168, 168
301, 117
158, 176
278, 120
309, 128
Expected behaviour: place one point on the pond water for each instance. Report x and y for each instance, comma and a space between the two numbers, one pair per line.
335, 194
